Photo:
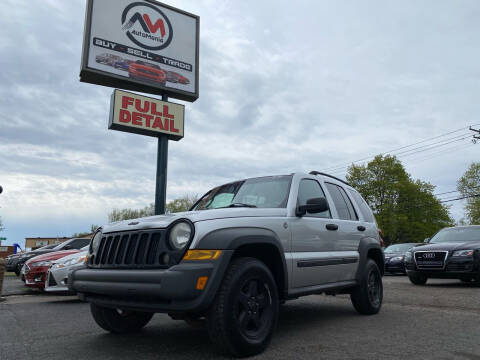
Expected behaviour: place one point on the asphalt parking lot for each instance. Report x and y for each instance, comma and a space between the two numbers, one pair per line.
438, 321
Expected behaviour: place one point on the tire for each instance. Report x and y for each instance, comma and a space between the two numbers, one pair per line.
244, 314
368, 296
418, 279
120, 322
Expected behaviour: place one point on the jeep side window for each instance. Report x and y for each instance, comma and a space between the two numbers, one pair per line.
344, 207
362, 205
309, 189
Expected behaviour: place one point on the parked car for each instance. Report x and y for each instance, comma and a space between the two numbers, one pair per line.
452, 253
122, 64
240, 251
394, 257
37, 267
175, 77
141, 70
58, 272
16, 263
107, 59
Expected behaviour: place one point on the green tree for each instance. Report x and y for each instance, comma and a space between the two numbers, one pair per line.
181, 204
469, 185
406, 210
93, 228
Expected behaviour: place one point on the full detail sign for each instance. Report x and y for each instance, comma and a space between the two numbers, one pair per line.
144, 46
145, 115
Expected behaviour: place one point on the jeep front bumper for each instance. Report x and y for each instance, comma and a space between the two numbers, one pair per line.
154, 290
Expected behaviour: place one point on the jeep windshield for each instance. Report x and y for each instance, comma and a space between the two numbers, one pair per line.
264, 192
460, 234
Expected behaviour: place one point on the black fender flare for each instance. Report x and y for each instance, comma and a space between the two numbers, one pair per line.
234, 238
367, 244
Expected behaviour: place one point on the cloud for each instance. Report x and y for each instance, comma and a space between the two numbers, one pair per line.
307, 86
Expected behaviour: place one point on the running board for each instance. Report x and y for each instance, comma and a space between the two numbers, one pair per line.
319, 289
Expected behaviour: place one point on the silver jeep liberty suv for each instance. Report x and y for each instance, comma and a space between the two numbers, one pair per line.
243, 249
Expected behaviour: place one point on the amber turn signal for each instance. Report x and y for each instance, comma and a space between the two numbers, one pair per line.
201, 282
202, 254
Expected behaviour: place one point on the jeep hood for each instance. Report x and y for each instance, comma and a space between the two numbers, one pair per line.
162, 221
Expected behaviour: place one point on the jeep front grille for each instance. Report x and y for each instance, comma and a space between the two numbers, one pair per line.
135, 249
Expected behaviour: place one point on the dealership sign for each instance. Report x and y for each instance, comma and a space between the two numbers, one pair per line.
145, 46
145, 115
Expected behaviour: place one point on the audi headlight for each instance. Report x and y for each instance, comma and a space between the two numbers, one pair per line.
408, 256
463, 253
180, 235
96, 242
397, 258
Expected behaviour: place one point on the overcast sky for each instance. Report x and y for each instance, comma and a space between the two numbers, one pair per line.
284, 86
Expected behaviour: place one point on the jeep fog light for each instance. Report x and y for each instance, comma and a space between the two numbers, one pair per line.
180, 235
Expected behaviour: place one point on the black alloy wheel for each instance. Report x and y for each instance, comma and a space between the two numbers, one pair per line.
253, 308
244, 314
367, 297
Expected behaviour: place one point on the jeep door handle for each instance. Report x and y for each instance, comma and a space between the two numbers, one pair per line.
361, 228
331, 226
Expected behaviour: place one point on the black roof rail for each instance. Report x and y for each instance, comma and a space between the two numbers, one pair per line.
330, 176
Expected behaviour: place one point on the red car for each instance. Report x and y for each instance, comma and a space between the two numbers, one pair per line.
181, 79
36, 268
141, 70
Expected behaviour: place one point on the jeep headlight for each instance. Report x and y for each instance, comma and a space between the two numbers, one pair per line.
180, 234
96, 242
463, 253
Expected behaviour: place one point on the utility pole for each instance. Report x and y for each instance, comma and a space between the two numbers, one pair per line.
475, 137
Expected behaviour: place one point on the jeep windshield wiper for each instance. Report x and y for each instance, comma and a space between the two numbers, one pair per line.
241, 205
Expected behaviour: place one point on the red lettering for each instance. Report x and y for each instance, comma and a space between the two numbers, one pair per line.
148, 118
137, 119
138, 103
126, 101
166, 114
159, 124
154, 110
154, 27
124, 116
172, 126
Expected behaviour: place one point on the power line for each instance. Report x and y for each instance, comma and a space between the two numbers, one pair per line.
334, 167
460, 198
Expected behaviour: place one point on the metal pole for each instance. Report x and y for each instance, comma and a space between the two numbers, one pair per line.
162, 162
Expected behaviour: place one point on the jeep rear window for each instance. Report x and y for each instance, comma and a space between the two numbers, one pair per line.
264, 192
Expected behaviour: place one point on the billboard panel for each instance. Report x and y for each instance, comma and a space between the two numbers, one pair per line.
145, 115
141, 45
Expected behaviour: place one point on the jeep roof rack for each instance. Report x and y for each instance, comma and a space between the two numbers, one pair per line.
330, 176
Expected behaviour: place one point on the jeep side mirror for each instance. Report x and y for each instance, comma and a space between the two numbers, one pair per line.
426, 240
313, 206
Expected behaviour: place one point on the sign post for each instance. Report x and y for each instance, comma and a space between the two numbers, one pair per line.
150, 47
161, 181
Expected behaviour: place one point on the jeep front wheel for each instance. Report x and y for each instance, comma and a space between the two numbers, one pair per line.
244, 314
119, 321
368, 295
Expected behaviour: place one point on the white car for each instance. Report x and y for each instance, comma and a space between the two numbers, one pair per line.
57, 275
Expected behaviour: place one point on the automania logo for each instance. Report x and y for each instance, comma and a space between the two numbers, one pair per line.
147, 26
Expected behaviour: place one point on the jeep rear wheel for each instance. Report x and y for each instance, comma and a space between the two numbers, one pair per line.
119, 321
418, 279
244, 314
368, 296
